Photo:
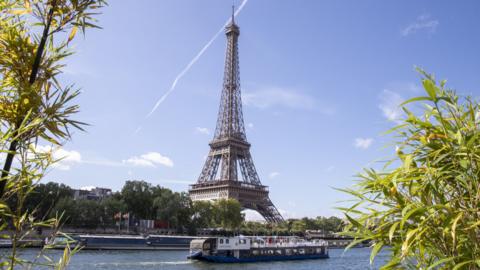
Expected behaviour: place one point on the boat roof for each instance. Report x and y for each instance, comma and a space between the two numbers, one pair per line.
111, 236
134, 236
173, 236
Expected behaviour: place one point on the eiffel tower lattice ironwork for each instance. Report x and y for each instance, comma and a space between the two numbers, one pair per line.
229, 149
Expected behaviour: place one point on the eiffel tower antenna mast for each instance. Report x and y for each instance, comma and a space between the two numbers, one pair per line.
229, 171
233, 11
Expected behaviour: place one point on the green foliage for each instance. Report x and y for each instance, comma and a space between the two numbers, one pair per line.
43, 198
138, 197
426, 208
34, 107
174, 208
30, 62
202, 214
228, 213
298, 227
110, 207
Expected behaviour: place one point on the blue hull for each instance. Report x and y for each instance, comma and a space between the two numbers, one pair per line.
225, 259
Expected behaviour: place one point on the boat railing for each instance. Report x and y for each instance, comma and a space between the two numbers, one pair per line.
288, 244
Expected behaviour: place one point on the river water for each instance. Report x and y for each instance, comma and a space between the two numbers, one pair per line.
357, 258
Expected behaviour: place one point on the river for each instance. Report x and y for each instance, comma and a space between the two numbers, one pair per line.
357, 258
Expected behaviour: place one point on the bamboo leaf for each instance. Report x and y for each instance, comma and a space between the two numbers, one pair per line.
376, 248
429, 87
440, 262
391, 232
72, 33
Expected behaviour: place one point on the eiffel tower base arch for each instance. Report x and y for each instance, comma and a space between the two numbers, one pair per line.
254, 197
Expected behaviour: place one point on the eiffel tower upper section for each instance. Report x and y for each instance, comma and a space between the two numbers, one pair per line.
230, 123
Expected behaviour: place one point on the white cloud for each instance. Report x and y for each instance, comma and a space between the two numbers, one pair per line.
390, 105
423, 22
151, 159
278, 97
137, 130
202, 130
292, 204
287, 214
103, 162
273, 175
65, 159
330, 169
363, 143
404, 87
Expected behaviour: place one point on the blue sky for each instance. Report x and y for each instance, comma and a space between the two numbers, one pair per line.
321, 81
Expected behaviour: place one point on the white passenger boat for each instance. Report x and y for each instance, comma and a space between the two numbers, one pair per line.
256, 249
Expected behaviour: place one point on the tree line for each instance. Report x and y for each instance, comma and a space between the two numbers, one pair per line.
143, 201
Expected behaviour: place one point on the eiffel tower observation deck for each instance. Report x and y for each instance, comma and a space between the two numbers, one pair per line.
229, 171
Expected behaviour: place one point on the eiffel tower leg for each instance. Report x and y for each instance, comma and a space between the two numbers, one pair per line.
269, 211
209, 169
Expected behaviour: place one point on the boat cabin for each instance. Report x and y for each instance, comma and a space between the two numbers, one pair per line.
231, 249
220, 245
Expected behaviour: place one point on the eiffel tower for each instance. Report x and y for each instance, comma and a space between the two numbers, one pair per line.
229, 149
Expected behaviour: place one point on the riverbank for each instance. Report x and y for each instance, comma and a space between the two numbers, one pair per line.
109, 240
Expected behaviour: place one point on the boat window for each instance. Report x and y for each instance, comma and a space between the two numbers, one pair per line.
221, 241
255, 252
278, 252
226, 241
288, 251
319, 250
301, 251
295, 251
270, 252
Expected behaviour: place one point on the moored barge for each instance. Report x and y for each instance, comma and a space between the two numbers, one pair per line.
256, 249
123, 242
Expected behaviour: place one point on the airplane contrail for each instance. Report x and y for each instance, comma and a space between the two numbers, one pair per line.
192, 62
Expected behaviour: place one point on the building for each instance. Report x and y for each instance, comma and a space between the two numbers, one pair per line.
91, 193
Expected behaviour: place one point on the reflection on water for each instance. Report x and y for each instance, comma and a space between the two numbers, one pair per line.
91, 259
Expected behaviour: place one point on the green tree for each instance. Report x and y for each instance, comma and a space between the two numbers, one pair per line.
88, 214
330, 224
425, 205
30, 61
299, 226
34, 106
174, 208
110, 207
44, 197
138, 197
65, 207
184, 215
228, 213
203, 214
